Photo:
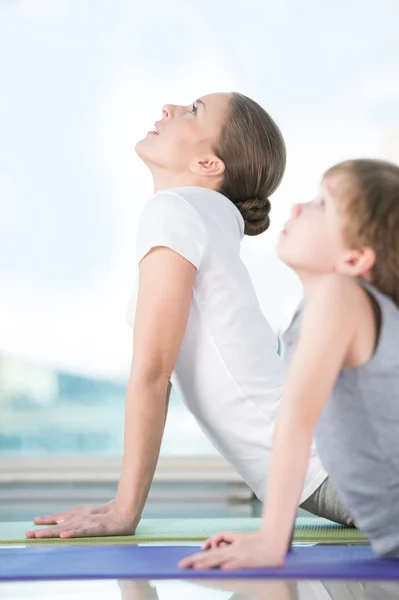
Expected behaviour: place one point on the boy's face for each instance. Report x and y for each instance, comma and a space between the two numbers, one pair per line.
312, 241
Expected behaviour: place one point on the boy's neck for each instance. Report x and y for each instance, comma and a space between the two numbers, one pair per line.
309, 281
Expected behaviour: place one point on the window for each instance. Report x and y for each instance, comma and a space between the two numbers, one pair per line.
80, 86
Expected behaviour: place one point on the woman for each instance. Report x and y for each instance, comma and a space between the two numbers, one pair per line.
195, 313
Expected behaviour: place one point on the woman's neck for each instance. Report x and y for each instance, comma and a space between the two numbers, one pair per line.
164, 180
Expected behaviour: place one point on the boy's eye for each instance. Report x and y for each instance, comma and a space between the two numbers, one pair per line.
193, 109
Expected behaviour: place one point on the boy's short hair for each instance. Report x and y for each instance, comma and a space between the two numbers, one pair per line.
371, 217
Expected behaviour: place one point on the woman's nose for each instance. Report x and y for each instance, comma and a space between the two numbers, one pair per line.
167, 111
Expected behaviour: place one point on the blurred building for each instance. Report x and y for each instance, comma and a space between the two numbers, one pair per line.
24, 382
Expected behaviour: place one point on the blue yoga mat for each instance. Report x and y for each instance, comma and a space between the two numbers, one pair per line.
159, 562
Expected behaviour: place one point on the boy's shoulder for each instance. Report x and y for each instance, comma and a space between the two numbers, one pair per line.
343, 299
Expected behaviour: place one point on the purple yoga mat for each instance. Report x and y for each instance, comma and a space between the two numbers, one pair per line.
159, 562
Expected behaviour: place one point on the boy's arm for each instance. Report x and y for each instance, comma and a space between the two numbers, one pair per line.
329, 326
327, 332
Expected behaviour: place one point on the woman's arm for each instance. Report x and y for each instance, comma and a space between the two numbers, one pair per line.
328, 328
166, 282
165, 291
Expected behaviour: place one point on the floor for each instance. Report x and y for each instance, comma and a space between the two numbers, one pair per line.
204, 590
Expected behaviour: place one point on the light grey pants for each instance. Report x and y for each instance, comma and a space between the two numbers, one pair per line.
325, 502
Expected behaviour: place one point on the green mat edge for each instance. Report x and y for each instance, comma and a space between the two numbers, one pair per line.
331, 533
137, 541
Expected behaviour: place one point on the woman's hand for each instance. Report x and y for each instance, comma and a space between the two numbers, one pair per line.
229, 551
79, 511
112, 522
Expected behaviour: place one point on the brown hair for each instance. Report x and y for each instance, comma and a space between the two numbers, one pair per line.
253, 151
371, 215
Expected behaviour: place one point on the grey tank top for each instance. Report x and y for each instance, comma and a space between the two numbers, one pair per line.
357, 435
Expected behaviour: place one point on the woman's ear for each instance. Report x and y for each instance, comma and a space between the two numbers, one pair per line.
357, 262
208, 165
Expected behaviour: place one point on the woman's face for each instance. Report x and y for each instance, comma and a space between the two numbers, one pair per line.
183, 140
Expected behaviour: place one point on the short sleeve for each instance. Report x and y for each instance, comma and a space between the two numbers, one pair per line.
169, 220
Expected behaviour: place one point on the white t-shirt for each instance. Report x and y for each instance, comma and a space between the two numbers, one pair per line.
228, 372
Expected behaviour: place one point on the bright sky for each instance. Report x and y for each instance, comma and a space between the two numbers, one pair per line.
82, 80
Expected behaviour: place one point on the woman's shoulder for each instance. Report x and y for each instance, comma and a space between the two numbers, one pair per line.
172, 203
198, 212
168, 220
204, 201
169, 209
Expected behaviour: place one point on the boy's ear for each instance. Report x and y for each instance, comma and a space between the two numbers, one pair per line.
357, 263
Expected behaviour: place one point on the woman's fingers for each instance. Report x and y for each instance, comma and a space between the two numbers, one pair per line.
48, 520
49, 532
58, 518
110, 523
66, 515
88, 531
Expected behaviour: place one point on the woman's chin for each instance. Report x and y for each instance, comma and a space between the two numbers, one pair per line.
139, 147
142, 150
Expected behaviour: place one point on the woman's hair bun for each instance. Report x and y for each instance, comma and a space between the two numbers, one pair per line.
255, 212
253, 152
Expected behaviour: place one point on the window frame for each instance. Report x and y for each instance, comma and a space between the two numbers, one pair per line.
107, 469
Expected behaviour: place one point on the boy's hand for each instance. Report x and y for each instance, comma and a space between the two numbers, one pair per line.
224, 538
230, 551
